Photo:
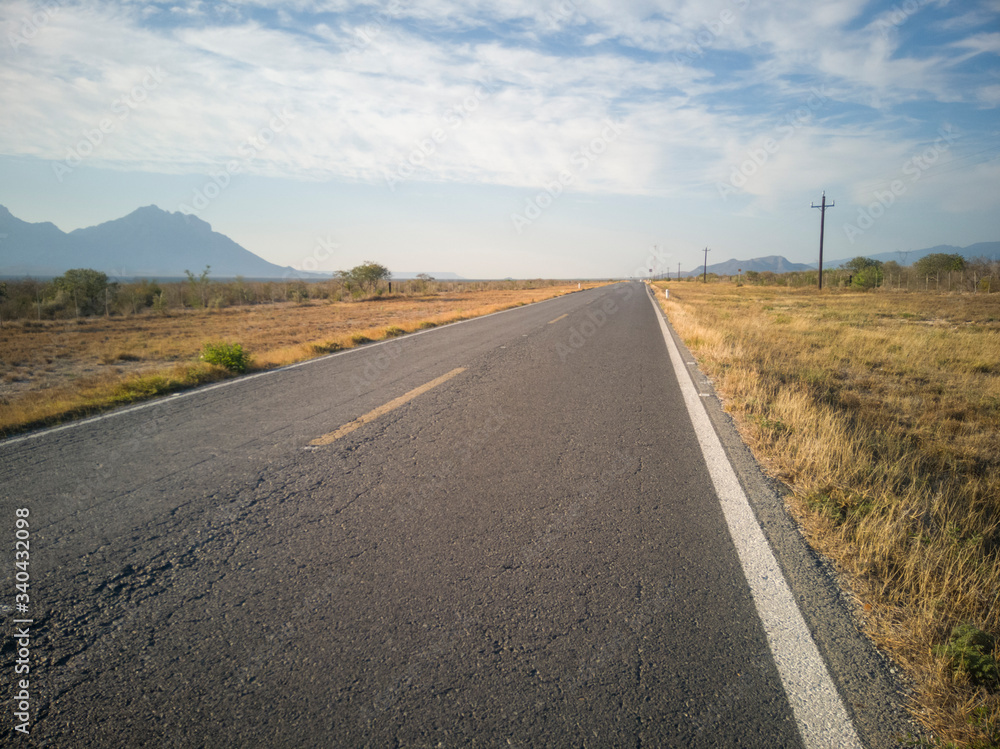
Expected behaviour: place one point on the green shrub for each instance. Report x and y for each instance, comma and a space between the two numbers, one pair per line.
231, 356
394, 331
970, 650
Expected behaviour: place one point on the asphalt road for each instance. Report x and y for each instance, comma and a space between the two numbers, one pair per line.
527, 552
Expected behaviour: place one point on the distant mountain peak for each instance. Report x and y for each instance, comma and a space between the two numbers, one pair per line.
149, 242
769, 263
155, 214
148, 213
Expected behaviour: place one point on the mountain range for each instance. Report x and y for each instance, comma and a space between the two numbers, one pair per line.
772, 263
778, 264
147, 243
156, 244
973, 251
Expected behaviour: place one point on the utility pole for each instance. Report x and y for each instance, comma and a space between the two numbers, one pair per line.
822, 222
704, 278
678, 271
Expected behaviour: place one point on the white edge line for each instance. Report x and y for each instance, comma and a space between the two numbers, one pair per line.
247, 378
820, 714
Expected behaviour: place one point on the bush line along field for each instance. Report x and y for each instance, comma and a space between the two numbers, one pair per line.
57, 369
84, 292
935, 272
881, 414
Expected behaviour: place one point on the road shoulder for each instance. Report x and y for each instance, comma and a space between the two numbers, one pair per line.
870, 684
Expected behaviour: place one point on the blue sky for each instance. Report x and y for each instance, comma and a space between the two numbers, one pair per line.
496, 138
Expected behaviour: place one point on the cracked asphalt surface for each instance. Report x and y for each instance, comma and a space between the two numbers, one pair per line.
530, 554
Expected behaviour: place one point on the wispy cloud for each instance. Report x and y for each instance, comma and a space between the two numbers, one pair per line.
694, 85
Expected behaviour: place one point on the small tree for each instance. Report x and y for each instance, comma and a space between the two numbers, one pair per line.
423, 279
865, 272
140, 294
199, 286
938, 262
858, 264
366, 276
85, 288
868, 278
892, 270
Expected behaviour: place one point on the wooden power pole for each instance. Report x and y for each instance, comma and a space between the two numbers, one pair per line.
822, 223
704, 277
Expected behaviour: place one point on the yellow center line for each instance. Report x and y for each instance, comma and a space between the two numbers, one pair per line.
559, 318
326, 439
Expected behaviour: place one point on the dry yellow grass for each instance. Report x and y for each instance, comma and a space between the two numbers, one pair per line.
59, 369
881, 413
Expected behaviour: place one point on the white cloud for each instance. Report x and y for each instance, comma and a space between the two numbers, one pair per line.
367, 91
987, 43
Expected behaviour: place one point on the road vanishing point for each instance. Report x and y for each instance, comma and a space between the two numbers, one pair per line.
532, 529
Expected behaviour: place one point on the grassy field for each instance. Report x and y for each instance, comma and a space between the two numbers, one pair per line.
881, 413
53, 370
